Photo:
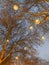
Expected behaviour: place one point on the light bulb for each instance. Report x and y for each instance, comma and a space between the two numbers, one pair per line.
37, 21
25, 48
17, 58
31, 27
43, 38
7, 40
15, 7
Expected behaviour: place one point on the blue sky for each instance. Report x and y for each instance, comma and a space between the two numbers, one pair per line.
44, 49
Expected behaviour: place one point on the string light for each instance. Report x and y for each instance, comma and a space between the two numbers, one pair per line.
25, 48
15, 7
37, 21
43, 38
31, 27
17, 57
7, 40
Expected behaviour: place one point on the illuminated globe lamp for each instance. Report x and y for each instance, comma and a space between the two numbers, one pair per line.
37, 21
15, 7
31, 27
17, 58
25, 48
7, 41
43, 38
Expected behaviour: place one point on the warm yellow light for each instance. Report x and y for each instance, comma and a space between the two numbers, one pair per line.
7, 40
31, 27
25, 48
37, 21
17, 57
15, 7
43, 38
